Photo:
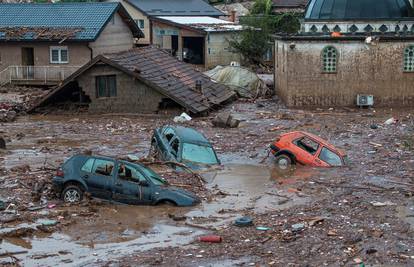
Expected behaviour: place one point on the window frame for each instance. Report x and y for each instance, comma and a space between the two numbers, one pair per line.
332, 152
94, 167
296, 141
108, 91
141, 24
132, 179
408, 58
59, 49
324, 67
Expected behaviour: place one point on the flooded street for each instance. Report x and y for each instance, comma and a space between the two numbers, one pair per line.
324, 216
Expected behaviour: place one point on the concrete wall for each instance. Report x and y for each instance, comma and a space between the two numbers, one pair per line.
361, 69
218, 50
11, 54
115, 37
132, 95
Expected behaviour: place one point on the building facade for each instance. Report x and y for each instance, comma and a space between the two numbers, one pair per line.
346, 52
202, 41
45, 49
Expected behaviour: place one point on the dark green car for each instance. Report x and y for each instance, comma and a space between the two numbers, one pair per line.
184, 145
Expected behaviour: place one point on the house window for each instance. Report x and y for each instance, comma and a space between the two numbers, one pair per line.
141, 23
59, 54
106, 86
329, 59
409, 59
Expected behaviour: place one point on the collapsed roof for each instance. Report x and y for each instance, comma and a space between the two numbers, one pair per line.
161, 72
60, 21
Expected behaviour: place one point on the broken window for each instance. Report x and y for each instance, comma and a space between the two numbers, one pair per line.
307, 144
330, 157
175, 145
130, 173
106, 86
59, 54
169, 134
87, 167
329, 59
409, 59
103, 167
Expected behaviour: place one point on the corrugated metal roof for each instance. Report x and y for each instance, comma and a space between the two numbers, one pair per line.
87, 18
176, 8
163, 73
204, 23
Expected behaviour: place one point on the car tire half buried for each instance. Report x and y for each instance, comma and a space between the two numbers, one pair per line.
72, 194
283, 161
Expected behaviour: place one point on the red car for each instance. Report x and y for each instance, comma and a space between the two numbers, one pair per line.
306, 149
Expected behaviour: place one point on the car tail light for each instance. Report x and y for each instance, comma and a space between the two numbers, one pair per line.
60, 173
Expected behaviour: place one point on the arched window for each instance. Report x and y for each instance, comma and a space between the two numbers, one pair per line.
329, 59
409, 59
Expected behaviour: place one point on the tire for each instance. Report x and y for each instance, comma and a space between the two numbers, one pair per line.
283, 161
72, 194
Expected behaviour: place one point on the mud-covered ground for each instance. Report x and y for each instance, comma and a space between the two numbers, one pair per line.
363, 213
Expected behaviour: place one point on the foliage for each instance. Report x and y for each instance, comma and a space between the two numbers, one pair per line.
256, 39
262, 7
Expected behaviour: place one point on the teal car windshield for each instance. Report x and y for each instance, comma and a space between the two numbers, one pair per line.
199, 154
155, 178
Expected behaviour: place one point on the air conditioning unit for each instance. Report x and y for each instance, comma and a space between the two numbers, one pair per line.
365, 100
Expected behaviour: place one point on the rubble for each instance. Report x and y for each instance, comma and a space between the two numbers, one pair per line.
318, 217
225, 120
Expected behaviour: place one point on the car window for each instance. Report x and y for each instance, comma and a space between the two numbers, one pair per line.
307, 144
87, 167
199, 153
175, 145
127, 172
155, 178
330, 157
169, 134
103, 167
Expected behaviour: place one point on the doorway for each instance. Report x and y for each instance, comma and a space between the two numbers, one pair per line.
174, 45
193, 49
28, 62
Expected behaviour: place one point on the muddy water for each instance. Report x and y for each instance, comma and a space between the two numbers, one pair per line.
121, 229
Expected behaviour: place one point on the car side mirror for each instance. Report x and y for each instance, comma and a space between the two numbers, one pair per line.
144, 183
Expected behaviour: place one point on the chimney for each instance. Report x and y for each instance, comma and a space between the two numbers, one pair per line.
233, 16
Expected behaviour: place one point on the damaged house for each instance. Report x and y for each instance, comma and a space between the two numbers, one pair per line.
143, 10
348, 53
42, 44
197, 40
140, 80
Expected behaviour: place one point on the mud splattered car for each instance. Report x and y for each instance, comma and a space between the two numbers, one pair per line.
306, 149
121, 181
184, 145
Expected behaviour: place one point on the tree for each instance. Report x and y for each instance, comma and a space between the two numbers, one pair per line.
256, 39
263, 7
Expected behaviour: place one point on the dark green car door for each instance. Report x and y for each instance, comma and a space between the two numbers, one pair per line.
98, 175
127, 188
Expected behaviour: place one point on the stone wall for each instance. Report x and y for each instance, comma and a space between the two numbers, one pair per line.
132, 95
361, 69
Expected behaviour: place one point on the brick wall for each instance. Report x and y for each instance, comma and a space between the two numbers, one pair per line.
362, 69
132, 95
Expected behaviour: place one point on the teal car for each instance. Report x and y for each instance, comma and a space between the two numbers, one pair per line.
183, 145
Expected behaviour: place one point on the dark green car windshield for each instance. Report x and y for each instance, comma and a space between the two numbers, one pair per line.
199, 154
